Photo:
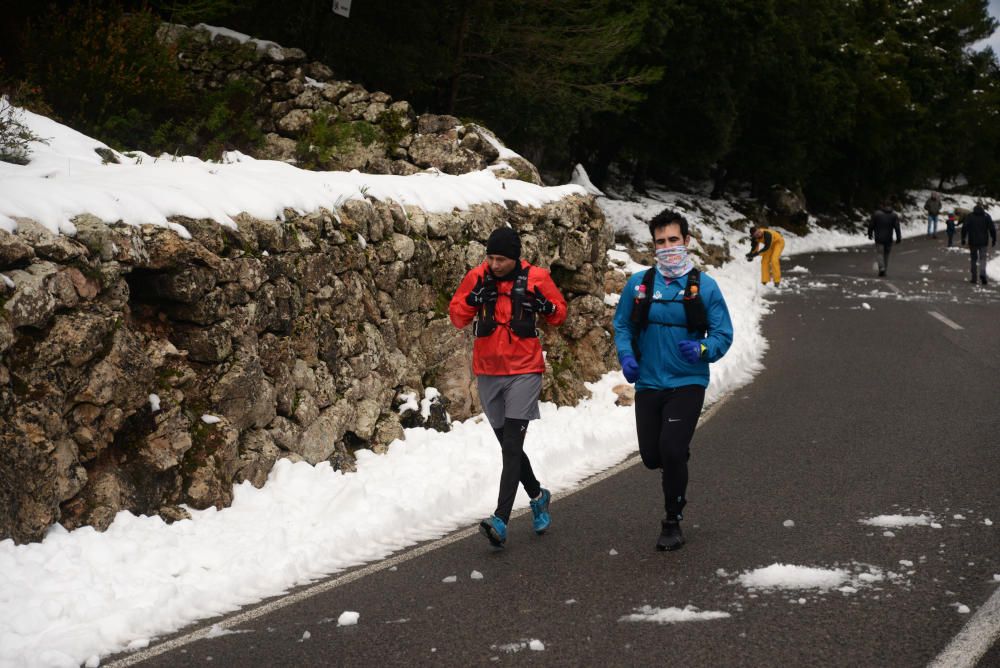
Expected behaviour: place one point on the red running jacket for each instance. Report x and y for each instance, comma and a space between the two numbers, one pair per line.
503, 353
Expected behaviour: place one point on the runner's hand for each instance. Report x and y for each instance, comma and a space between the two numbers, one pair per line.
538, 303
630, 368
481, 294
690, 350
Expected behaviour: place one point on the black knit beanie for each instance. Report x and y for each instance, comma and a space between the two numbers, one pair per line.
504, 241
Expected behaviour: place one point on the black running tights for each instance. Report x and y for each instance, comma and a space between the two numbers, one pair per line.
665, 421
516, 467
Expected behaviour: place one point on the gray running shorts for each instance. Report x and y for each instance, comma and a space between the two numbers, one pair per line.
510, 397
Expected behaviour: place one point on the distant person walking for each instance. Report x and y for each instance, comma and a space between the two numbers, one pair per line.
978, 228
503, 295
771, 244
950, 227
670, 324
933, 208
880, 228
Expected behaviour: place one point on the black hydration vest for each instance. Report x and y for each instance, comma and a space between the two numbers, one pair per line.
522, 321
694, 308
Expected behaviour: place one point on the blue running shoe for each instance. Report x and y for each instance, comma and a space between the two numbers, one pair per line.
495, 529
540, 510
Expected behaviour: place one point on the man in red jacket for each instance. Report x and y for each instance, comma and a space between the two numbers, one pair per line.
502, 298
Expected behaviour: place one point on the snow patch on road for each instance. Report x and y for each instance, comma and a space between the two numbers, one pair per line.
898, 521
688, 613
780, 576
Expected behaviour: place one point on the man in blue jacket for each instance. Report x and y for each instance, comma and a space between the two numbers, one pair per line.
671, 322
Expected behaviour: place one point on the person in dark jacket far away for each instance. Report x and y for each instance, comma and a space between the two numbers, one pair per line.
670, 324
933, 208
950, 225
880, 228
978, 228
502, 298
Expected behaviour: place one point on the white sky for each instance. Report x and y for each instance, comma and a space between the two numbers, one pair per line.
994, 39
79, 595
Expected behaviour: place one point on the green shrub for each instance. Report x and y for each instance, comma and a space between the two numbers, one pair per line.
104, 72
15, 136
391, 125
191, 12
223, 120
327, 138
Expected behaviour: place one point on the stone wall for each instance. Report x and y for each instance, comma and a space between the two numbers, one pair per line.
299, 335
370, 131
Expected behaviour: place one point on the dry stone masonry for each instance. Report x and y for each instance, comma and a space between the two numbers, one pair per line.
371, 132
142, 371
299, 334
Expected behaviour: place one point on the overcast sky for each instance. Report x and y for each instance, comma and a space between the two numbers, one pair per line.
994, 40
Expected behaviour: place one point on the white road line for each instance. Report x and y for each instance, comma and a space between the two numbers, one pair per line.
975, 638
285, 601
950, 323
907, 252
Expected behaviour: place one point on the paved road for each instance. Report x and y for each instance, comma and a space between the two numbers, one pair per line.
859, 412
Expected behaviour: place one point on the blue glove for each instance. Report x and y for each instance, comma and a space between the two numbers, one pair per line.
630, 368
690, 350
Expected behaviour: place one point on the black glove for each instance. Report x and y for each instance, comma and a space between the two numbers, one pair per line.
482, 294
749, 257
536, 302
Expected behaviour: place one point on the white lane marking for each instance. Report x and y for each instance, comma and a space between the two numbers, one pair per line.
277, 604
975, 638
907, 252
950, 323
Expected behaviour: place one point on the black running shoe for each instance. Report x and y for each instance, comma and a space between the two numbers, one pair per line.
671, 537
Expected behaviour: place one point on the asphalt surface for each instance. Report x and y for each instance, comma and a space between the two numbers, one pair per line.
868, 405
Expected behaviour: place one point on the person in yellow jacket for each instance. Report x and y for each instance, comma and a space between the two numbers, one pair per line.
771, 244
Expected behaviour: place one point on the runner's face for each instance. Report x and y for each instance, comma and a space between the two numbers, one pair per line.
500, 265
669, 236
